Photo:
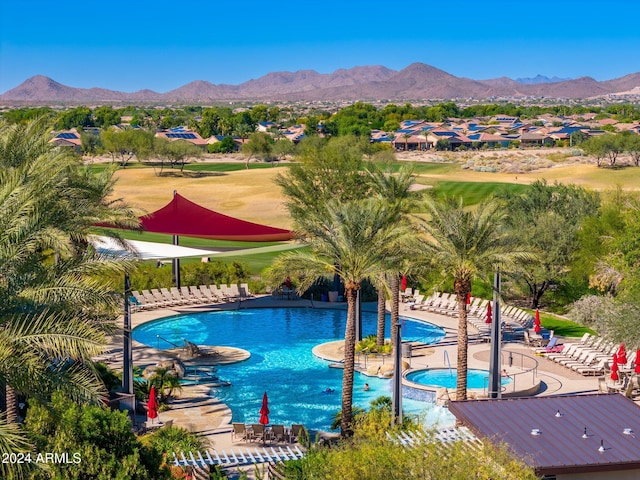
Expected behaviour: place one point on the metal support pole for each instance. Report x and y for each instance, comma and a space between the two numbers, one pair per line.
127, 374
397, 378
495, 369
175, 265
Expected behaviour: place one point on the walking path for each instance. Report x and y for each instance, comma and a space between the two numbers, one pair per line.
198, 412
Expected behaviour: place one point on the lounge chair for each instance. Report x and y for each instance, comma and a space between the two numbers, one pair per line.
297, 430
257, 432
244, 291
218, 293
175, 291
209, 295
278, 433
188, 295
239, 431
197, 294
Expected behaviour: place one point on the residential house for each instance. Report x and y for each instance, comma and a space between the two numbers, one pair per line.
182, 133
67, 138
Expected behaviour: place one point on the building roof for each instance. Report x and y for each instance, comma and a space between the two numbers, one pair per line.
559, 446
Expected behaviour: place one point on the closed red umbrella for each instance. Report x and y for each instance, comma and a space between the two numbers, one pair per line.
614, 368
536, 322
622, 355
489, 314
403, 283
152, 404
469, 298
637, 369
264, 410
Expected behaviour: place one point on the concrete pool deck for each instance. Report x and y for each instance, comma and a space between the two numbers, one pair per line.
196, 411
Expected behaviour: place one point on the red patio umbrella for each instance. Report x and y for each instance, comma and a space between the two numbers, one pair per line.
152, 404
264, 410
469, 298
637, 369
622, 355
403, 283
536, 322
614, 368
489, 313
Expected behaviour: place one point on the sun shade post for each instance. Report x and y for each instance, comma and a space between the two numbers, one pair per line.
494, 361
175, 265
127, 374
397, 378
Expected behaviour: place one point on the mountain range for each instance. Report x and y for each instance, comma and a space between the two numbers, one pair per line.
367, 83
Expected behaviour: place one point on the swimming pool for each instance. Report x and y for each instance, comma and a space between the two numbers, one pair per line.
445, 377
280, 341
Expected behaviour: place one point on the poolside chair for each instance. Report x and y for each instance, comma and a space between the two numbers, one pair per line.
151, 299
278, 433
208, 294
244, 291
141, 301
166, 294
197, 294
218, 293
175, 291
188, 295
297, 431
239, 431
257, 432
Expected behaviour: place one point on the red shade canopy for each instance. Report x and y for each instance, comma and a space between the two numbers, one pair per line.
614, 368
186, 218
264, 410
152, 404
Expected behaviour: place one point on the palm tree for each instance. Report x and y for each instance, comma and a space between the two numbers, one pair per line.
55, 302
355, 241
466, 244
396, 191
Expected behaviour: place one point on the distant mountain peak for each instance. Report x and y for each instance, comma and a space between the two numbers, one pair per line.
540, 79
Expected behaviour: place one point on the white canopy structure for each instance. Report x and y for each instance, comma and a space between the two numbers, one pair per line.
136, 249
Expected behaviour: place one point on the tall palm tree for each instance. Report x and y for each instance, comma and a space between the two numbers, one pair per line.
396, 191
466, 244
353, 240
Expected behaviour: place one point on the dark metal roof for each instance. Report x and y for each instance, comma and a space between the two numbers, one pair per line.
560, 446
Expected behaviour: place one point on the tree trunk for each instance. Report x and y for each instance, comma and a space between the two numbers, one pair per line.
463, 346
11, 405
395, 308
346, 426
382, 310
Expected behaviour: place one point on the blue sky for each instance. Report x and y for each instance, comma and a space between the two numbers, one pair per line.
129, 45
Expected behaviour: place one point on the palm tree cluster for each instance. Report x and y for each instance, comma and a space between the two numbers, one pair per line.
55, 306
358, 221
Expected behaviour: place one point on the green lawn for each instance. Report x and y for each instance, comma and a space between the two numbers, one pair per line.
474, 192
228, 167
562, 327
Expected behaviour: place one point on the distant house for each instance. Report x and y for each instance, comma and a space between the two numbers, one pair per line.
67, 138
532, 139
181, 133
454, 139
295, 133
572, 437
265, 126
490, 140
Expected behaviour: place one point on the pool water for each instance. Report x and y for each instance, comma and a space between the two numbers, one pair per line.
282, 363
444, 377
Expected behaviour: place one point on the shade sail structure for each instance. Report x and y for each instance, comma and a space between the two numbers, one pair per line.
183, 217
135, 249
